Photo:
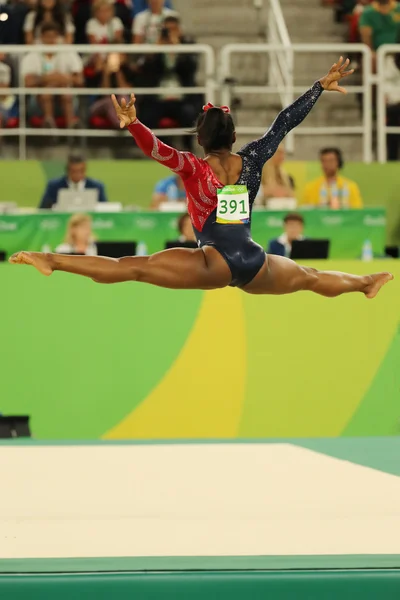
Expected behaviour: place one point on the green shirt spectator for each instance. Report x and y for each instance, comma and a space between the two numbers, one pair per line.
379, 23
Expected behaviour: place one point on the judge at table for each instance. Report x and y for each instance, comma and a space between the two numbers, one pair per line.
74, 179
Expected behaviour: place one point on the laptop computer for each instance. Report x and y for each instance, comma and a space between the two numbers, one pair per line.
116, 249
76, 200
310, 249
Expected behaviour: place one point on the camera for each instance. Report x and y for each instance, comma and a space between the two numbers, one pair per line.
165, 34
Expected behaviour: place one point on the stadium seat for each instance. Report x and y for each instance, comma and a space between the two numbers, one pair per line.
100, 123
167, 123
12, 123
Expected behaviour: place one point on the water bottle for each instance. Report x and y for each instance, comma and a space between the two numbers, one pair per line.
367, 253
141, 249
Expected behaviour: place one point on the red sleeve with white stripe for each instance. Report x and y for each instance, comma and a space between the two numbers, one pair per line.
184, 164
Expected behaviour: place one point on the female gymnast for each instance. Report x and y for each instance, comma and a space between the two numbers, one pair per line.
221, 189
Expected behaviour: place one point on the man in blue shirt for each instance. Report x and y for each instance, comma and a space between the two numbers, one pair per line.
74, 179
170, 189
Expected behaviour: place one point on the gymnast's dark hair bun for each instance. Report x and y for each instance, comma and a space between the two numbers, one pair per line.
215, 129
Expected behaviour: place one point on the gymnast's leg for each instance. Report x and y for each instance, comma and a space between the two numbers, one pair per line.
283, 276
178, 268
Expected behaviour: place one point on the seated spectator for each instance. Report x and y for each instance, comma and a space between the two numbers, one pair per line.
61, 69
79, 238
170, 189
74, 179
169, 71
102, 70
186, 229
379, 24
392, 78
187, 235
332, 190
140, 5
113, 71
354, 21
275, 182
104, 27
293, 231
82, 11
48, 11
147, 25
8, 102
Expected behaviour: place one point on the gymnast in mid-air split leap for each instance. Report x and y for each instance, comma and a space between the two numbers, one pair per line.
221, 189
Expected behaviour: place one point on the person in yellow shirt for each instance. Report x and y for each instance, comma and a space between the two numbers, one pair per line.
332, 190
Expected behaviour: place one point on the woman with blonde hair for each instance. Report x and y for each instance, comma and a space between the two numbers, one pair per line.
104, 27
275, 182
79, 238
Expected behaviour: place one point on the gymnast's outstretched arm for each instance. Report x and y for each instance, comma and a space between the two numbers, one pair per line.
183, 163
264, 148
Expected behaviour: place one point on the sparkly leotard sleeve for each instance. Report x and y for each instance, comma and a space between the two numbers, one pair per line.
244, 257
264, 148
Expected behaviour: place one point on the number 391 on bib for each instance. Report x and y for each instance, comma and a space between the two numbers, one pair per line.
233, 205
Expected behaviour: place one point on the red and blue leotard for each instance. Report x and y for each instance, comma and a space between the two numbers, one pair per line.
233, 241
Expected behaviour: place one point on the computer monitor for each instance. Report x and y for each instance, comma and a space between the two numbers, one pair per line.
14, 426
178, 244
393, 251
116, 249
76, 200
310, 249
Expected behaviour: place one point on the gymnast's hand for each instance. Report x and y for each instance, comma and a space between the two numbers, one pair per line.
337, 71
126, 112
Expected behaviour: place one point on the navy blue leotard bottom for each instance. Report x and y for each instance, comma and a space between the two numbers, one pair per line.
243, 256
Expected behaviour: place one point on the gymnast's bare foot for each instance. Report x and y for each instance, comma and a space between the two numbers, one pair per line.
378, 280
39, 260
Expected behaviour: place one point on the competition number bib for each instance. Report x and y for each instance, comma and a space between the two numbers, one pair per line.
233, 204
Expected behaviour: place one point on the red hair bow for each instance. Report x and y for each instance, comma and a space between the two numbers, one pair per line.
207, 107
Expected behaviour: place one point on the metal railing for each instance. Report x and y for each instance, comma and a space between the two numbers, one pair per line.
365, 130
86, 50
210, 88
281, 61
384, 86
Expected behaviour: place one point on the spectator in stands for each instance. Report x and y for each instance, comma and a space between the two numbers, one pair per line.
379, 24
141, 5
170, 189
293, 231
392, 78
186, 237
103, 70
354, 21
74, 179
79, 238
186, 229
104, 27
114, 71
332, 190
169, 71
48, 11
61, 69
275, 182
8, 102
147, 25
